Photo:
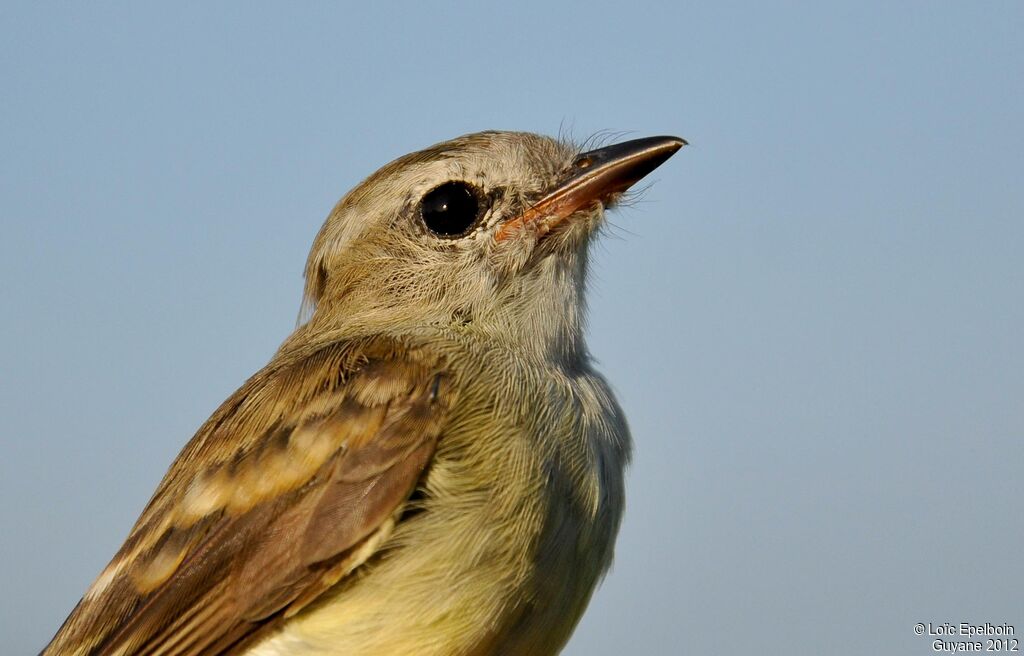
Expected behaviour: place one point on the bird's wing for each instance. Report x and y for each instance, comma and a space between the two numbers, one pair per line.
294, 482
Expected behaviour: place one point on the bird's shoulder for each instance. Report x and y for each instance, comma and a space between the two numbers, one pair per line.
290, 484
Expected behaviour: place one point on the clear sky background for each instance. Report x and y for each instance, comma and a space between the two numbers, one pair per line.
814, 318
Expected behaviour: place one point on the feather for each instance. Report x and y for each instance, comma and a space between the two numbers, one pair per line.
303, 472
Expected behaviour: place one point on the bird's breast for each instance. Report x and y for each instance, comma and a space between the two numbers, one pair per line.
510, 533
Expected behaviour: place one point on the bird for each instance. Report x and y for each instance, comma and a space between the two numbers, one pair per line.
430, 463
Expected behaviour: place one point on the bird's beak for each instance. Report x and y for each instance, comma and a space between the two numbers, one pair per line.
594, 176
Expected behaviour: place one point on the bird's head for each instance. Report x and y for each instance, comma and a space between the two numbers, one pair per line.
487, 232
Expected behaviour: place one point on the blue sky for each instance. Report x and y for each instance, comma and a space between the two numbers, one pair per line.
813, 318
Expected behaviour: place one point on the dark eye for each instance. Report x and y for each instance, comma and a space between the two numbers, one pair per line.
450, 209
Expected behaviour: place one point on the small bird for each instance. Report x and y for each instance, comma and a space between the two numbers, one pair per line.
429, 464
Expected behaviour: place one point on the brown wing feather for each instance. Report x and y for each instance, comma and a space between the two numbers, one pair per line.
288, 487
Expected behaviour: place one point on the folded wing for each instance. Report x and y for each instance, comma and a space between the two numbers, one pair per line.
293, 483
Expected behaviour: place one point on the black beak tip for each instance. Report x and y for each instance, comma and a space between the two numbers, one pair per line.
647, 153
641, 156
670, 143
660, 149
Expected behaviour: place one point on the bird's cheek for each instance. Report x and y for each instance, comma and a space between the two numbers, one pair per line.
573, 233
513, 254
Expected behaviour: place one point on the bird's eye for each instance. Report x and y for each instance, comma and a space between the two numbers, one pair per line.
451, 209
